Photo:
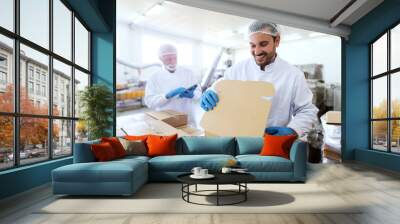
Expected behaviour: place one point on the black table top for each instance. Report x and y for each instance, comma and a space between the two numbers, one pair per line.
220, 178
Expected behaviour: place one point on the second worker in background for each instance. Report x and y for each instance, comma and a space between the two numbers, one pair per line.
172, 88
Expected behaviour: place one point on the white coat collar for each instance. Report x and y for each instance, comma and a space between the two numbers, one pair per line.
269, 67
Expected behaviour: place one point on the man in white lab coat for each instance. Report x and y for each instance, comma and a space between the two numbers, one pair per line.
172, 88
292, 111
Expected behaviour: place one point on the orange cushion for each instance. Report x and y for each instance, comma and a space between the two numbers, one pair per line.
116, 145
103, 152
161, 145
277, 145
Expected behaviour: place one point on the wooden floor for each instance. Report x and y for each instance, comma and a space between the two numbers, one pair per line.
379, 189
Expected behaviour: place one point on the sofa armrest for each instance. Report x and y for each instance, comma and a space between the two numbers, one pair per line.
298, 155
83, 152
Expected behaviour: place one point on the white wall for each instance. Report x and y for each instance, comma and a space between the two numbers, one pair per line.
138, 46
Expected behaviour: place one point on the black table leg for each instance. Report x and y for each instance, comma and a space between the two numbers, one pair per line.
217, 194
245, 193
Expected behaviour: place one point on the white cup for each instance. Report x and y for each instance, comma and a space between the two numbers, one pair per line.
203, 172
226, 170
196, 171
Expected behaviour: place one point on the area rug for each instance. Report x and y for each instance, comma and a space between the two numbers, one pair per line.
167, 198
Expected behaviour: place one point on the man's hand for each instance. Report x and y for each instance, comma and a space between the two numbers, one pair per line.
175, 92
209, 100
187, 94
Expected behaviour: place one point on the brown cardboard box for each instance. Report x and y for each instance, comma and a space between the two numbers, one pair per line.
333, 117
173, 118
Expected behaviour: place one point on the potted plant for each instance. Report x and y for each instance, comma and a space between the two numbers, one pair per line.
97, 103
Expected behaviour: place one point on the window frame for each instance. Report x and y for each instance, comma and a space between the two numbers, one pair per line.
388, 74
16, 114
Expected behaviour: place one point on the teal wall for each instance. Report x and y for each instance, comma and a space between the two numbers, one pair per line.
99, 16
24, 178
355, 131
103, 64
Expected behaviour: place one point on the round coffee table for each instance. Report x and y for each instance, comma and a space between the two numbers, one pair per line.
238, 179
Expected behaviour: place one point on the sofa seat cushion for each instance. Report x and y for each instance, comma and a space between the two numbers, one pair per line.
257, 163
185, 163
133, 158
112, 171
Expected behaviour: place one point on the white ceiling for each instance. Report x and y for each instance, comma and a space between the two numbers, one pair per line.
229, 28
321, 9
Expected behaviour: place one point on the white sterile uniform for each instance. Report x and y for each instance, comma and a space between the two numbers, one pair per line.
162, 82
291, 105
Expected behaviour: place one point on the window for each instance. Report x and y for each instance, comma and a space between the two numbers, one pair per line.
30, 72
3, 78
7, 14
34, 21
6, 142
385, 96
3, 61
30, 88
46, 131
62, 74
81, 45
6, 74
62, 137
62, 29
38, 74
43, 90
38, 89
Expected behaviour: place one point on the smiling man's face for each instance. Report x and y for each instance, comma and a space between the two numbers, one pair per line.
263, 48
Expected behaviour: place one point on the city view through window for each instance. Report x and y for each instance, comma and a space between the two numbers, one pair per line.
385, 79
40, 81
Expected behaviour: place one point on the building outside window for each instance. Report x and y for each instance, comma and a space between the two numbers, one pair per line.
59, 134
43, 90
30, 87
3, 78
30, 72
3, 72
3, 61
43, 77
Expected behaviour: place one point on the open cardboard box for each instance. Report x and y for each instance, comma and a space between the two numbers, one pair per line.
333, 117
171, 117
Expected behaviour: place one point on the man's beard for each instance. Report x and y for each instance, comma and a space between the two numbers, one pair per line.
267, 59
170, 68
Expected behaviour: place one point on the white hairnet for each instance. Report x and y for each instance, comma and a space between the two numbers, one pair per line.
263, 27
166, 49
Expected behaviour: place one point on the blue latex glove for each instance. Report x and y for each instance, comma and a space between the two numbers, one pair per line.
175, 92
188, 93
280, 131
209, 100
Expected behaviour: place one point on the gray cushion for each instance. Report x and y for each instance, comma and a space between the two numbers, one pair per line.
134, 147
